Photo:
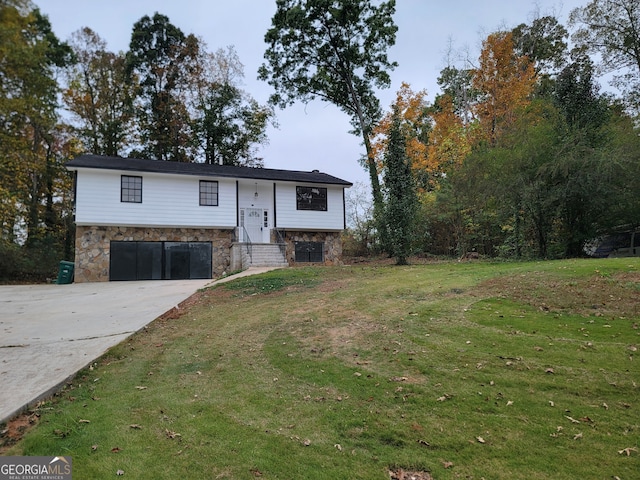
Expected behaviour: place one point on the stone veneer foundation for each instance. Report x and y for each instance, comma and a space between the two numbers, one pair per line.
93, 246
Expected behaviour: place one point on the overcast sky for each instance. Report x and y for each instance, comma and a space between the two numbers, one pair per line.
314, 136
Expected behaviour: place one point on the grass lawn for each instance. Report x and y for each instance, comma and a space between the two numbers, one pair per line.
434, 371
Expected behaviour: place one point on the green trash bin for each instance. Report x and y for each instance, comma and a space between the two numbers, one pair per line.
65, 273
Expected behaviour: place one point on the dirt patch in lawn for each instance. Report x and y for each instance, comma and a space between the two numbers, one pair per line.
402, 474
612, 295
14, 430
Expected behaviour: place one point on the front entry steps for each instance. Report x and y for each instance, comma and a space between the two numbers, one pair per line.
258, 255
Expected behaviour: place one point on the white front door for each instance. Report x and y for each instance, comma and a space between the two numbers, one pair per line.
254, 221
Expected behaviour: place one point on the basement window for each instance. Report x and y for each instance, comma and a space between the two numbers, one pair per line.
312, 252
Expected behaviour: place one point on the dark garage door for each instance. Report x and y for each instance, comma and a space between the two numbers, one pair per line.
159, 260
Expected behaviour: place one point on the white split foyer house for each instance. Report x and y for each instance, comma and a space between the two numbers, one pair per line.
139, 219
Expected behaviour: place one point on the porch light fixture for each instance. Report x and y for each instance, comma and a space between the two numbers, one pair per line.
256, 194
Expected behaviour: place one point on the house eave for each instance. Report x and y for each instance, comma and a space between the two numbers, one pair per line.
98, 162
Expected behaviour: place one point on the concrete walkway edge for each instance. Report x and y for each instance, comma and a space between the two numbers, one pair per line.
48, 333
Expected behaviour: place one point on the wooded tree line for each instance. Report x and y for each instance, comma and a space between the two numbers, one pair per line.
522, 154
168, 98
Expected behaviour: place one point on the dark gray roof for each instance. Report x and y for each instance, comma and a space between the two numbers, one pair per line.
201, 169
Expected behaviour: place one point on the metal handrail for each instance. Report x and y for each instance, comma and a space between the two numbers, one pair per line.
281, 243
247, 242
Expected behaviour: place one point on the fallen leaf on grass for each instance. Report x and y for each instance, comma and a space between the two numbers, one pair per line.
120, 473
115, 450
135, 426
572, 420
141, 388
94, 448
443, 398
84, 421
447, 464
549, 370
171, 434
338, 446
481, 440
509, 403
577, 436
398, 379
627, 451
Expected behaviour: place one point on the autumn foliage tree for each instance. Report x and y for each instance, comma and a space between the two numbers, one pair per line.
412, 109
505, 81
450, 139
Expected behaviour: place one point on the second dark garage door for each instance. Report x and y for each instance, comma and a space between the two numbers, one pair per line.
160, 260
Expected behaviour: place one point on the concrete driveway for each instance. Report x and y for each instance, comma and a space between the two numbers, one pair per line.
50, 332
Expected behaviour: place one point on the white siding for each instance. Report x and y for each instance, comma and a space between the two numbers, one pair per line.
288, 216
247, 194
167, 200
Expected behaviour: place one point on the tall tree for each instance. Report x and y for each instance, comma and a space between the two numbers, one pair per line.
505, 80
543, 42
335, 51
457, 84
29, 55
450, 140
415, 124
99, 95
583, 170
578, 98
400, 193
160, 56
30, 160
611, 28
229, 123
